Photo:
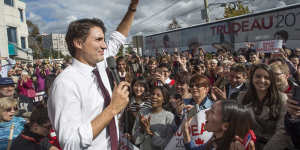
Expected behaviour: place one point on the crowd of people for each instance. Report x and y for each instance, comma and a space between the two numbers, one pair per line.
24, 121
50, 105
255, 87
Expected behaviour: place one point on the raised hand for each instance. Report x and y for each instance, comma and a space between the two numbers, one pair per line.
146, 124
134, 4
217, 93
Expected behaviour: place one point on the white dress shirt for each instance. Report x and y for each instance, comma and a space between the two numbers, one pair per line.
75, 100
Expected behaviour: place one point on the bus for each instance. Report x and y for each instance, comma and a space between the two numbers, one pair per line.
231, 33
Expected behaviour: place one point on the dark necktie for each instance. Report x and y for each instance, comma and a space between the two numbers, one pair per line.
112, 125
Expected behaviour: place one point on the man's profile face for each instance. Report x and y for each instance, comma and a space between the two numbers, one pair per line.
93, 47
7, 90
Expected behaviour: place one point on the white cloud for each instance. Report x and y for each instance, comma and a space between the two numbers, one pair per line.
54, 15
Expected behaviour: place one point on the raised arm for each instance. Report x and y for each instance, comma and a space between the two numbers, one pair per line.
125, 25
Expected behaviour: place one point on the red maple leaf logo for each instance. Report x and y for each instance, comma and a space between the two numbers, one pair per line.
199, 141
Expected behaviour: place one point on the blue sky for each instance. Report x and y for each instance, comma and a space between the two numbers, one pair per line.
55, 15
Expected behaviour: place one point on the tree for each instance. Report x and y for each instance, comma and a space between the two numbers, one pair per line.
35, 40
129, 50
174, 25
237, 10
120, 52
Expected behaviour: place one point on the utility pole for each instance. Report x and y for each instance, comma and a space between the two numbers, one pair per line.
206, 10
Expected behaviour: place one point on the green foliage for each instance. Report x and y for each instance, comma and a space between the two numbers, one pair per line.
35, 41
174, 25
237, 11
129, 50
120, 53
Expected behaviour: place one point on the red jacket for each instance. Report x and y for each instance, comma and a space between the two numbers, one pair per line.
25, 87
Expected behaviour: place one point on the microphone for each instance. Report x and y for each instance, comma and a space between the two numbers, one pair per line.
112, 66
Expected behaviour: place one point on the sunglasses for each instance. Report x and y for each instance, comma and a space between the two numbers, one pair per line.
10, 109
198, 85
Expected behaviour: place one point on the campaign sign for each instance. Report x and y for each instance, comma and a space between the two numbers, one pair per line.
271, 46
197, 132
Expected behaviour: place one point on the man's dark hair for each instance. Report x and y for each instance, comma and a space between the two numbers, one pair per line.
39, 115
239, 68
164, 65
79, 29
293, 56
276, 59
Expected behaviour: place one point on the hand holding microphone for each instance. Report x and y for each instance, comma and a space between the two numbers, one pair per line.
120, 95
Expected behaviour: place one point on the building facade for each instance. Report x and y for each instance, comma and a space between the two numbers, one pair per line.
14, 31
55, 42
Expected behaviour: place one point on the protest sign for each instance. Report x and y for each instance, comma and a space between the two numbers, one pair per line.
271, 46
198, 134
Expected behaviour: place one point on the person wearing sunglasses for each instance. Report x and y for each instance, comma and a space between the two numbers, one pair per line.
8, 109
199, 88
33, 137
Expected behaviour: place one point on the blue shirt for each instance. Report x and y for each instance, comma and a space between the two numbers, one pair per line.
192, 146
205, 104
19, 123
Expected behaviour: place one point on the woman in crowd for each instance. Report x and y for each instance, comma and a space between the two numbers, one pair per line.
33, 137
226, 119
139, 103
268, 106
41, 72
8, 110
199, 88
154, 130
26, 90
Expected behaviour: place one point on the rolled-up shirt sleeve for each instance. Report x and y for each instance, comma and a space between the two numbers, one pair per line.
65, 116
116, 40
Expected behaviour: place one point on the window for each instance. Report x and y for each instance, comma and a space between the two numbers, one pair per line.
9, 2
12, 35
21, 15
23, 42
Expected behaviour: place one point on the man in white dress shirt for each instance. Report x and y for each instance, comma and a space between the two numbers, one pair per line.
77, 106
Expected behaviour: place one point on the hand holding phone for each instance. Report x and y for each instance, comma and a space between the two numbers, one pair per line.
192, 112
248, 138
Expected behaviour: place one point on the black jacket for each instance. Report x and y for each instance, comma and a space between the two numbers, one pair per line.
292, 126
234, 95
34, 142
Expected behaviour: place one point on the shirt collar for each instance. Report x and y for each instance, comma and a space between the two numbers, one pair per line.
205, 104
238, 87
81, 67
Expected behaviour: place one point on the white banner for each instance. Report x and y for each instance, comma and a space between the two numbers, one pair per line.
197, 132
271, 46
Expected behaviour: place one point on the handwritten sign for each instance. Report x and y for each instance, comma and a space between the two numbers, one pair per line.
197, 132
269, 46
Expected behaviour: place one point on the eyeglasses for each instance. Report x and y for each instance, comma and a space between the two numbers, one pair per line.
10, 109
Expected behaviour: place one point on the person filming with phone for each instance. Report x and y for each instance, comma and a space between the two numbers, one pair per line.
229, 123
